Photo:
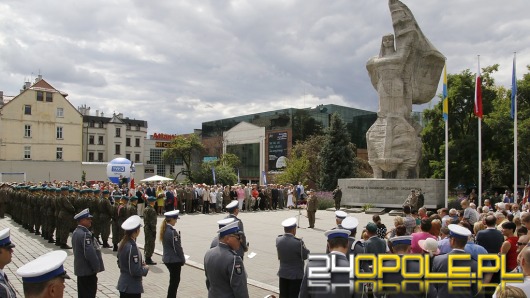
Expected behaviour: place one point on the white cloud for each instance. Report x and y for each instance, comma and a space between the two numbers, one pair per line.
179, 63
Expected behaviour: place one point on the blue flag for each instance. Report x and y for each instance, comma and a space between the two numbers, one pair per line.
264, 177
213, 174
514, 90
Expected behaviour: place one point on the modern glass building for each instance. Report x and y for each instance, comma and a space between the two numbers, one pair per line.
283, 128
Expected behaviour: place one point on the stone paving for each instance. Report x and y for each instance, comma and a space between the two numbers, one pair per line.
197, 230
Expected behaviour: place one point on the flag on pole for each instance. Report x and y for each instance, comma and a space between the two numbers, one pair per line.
478, 93
264, 177
213, 175
238, 180
514, 90
445, 102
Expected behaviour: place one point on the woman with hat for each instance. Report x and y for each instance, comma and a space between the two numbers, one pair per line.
132, 267
173, 256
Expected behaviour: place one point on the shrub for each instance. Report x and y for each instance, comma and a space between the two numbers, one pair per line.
325, 200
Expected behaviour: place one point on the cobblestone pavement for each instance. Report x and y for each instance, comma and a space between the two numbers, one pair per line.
197, 230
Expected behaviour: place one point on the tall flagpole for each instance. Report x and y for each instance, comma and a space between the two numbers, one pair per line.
478, 103
445, 112
514, 106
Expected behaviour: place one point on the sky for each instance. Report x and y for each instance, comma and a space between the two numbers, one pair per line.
177, 64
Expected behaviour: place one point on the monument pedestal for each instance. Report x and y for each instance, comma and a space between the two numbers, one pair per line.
390, 193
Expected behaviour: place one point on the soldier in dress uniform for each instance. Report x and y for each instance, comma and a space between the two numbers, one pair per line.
44, 275
50, 214
87, 256
132, 267
6, 252
459, 237
337, 196
105, 218
233, 210
30, 207
37, 210
224, 269
93, 200
338, 246
292, 253
173, 254
66, 214
312, 206
119, 216
150, 230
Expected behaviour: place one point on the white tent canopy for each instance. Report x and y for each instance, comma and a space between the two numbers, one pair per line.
156, 178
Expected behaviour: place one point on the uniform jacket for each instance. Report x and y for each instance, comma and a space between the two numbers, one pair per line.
173, 252
336, 278
87, 253
6, 290
225, 273
440, 264
150, 219
131, 269
312, 203
291, 253
412, 290
375, 245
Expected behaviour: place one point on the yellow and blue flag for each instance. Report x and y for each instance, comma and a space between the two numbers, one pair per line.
445, 102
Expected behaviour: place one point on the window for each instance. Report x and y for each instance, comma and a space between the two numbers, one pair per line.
128, 156
100, 156
137, 142
91, 140
60, 112
59, 153
171, 169
49, 97
138, 127
59, 132
128, 126
27, 131
91, 124
118, 132
128, 142
100, 140
40, 96
90, 156
27, 110
27, 152
137, 157
117, 149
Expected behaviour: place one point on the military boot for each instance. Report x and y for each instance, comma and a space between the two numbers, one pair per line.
106, 244
149, 261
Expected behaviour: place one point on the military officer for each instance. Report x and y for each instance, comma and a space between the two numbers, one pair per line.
292, 253
150, 230
120, 215
131, 208
173, 254
105, 217
44, 275
337, 196
355, 247
87, 256
6, 252
312, 206
338, 246
233, 210
225, 272
93, 199
132, 267
339, 217
66, 214
223, 222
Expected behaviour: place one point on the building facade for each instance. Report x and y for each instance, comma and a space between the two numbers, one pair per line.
40, 135
106, 138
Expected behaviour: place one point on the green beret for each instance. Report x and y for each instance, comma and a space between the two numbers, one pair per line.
151, 199
65, 188
134, 198
96, 190
105, 192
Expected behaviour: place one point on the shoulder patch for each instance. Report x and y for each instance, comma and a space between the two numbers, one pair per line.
238, 268
88, 241
135, 259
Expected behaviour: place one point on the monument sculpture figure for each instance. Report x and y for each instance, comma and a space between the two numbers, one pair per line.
406, 72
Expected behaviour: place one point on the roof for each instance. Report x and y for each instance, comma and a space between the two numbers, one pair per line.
131, 122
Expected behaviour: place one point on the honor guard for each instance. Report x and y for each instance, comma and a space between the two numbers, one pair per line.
105, 218
66, 214
150, 219
6, 252
233, 210
225, 272
132, 267
291, 253
45, 274
87, 256
119, 217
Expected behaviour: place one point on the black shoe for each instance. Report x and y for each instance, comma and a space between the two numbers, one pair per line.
115, 248
106, 245
150, 262
50, 240
65, 246
37, 233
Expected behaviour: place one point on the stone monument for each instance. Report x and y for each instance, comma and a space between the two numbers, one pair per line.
406, 72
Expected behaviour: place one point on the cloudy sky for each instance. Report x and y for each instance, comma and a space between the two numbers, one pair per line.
178, 63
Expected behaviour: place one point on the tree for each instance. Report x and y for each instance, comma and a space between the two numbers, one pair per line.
224, 170
303, 164
337, 156
183, 147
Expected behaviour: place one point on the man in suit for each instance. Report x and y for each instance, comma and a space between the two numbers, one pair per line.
342, 286
401, 245
291, 253
490, 238
459, 237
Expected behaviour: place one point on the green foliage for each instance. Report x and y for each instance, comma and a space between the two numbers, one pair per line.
366, 207
225, 172
337, 155
183, 147
497, 133
325, 204
296, 170
83, 176
303, 164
